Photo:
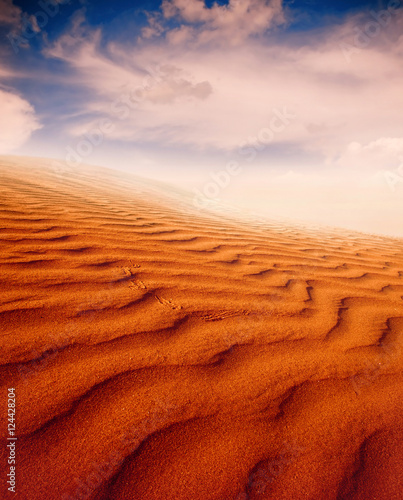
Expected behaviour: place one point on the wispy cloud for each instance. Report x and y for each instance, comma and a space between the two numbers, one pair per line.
10, 14
215, 96
208, 79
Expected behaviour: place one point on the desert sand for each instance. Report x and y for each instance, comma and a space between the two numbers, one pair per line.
159, 352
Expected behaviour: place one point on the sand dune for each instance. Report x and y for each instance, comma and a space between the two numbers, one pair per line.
161, 353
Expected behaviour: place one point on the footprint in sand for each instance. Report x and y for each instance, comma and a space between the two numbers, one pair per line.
168, 303
128, 270
137, 284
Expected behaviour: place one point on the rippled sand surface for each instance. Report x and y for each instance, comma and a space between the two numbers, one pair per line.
158, 353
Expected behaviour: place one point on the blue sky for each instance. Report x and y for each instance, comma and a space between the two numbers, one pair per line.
296, 93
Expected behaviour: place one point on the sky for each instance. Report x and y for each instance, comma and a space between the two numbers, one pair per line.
286, 108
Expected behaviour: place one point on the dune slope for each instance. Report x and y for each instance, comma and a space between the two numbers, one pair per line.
157, 353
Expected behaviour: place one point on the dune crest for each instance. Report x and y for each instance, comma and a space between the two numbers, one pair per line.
158, 353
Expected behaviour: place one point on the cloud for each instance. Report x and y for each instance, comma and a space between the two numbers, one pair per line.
383, 153
171, 85
224, 97
17, 121
154, 28
23, 26
231, 24
10, 14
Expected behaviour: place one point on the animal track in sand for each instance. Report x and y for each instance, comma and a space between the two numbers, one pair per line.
166, 302
284, 346
137, 284
128, 269
136, 266
219, 315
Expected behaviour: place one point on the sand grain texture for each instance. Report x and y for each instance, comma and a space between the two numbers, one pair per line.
160, 354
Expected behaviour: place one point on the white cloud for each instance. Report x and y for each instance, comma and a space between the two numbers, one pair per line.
218, 96
17, 121
383, 153
172, 85
232, 23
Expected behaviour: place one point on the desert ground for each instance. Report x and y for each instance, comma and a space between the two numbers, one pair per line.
160, 352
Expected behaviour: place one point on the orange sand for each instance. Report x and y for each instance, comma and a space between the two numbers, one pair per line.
158, 353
